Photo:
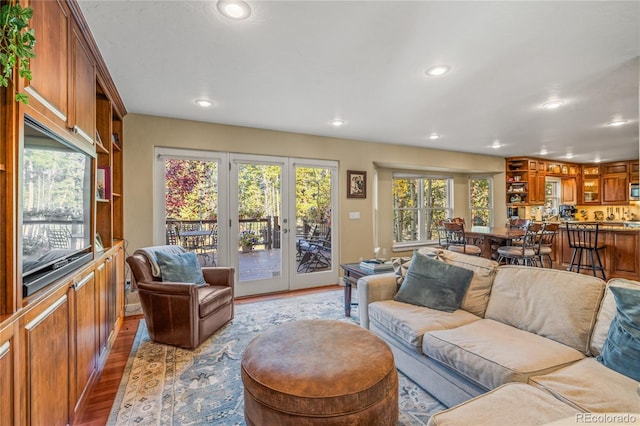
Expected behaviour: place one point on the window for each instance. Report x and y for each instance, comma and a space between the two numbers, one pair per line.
480, 202
418, 203
551, 196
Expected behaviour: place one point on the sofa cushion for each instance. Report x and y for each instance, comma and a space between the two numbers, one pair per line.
434, 284
180, 268
409, 322
546, 302
491, 353
606, 314
510, 404
621, 351
484, 272
400, 268
590, 386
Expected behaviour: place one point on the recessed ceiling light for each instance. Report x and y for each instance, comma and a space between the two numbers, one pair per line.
337, 122
438, 70
434, 136
569, 156
234, 9
597, 160
203, 102
618, 122
543, 151
496, 144
553, 104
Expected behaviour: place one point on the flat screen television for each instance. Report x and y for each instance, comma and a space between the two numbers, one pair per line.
56, 207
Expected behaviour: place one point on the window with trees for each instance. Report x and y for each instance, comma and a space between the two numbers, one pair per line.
418, 203
480, 202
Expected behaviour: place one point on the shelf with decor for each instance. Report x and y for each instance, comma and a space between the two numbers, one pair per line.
517, 184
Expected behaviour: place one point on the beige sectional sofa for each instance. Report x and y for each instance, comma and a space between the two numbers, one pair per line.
523, 339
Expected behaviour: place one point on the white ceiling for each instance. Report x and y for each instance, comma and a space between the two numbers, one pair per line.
296, 65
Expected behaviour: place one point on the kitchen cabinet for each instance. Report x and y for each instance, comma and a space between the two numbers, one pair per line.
634, 171
569, 191
615, 188
590, 192
537, 188
517, 185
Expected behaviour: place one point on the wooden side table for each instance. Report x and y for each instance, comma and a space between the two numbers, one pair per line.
352, 273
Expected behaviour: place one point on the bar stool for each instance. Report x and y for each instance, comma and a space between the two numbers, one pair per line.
583, 239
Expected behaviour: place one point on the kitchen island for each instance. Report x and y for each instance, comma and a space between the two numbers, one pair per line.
621, 257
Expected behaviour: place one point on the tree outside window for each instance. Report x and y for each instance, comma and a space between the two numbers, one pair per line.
480, 190
418, 203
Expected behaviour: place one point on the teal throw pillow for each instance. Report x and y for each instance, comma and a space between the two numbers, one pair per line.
180, 268
621, 351
434, 284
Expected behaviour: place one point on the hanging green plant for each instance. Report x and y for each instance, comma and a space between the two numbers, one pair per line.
17, 41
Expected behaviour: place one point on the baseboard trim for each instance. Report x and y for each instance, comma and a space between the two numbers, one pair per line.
131, 309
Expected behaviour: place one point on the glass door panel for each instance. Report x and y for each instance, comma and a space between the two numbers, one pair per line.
258, 193
314, 259
191, 206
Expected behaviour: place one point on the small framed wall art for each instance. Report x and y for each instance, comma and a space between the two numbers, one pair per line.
356, 184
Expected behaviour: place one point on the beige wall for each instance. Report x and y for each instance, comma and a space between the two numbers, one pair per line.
357, 237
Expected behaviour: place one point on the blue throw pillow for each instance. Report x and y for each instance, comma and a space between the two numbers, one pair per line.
180, 268
434, 284
621, 351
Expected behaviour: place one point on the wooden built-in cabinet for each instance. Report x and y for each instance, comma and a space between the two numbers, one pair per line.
634, 171
54, 342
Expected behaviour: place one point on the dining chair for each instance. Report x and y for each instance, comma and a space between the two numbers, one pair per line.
442, 234
583, 239
521, 224
524, 253
457, 241
544, 247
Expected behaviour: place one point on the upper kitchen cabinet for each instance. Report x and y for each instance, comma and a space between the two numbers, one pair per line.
590, 193
615, 183
634, 174
62, 89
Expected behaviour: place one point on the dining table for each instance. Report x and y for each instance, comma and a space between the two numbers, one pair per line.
490, 238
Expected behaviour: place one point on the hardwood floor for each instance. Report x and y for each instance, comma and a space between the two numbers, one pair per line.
100, 399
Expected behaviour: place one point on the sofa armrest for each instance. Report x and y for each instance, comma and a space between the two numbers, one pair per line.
373, 288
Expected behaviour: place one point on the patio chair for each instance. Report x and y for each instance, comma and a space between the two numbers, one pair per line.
316, 254
59, 238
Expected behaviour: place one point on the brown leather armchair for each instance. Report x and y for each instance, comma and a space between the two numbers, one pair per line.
181, 314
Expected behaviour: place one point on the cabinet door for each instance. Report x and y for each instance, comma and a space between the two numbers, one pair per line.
83, 89
46, 346
569, 191
7, 376
86, 332
102, 300
536, 188
590, 190
50, 67
623, 248
615, 188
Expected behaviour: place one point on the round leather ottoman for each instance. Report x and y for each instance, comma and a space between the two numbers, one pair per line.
319, 372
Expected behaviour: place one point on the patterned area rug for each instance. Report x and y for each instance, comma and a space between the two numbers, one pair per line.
164, 385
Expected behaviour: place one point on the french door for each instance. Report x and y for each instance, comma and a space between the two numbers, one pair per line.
269, 217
